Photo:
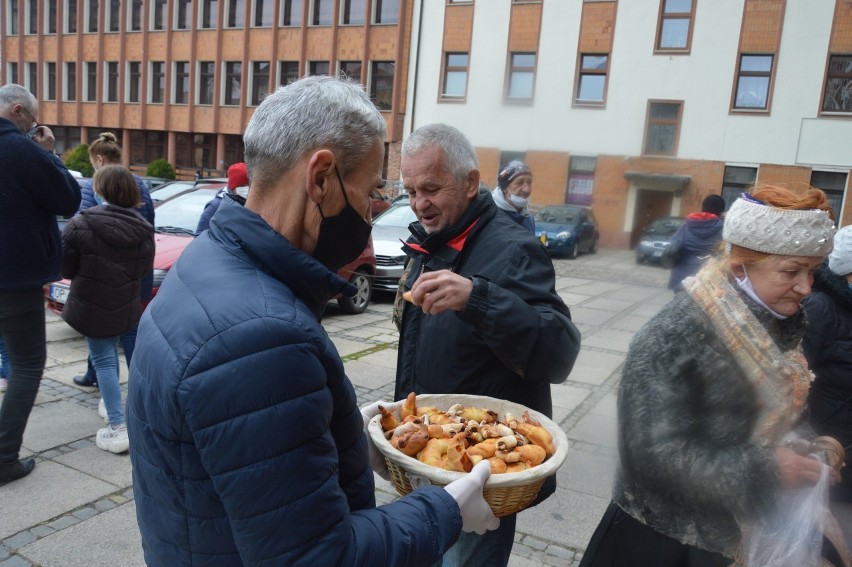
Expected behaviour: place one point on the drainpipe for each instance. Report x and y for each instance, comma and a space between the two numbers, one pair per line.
416, 66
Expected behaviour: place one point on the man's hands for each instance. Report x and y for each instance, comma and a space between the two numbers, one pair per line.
377, 460
44, 137
440, 291
467, 492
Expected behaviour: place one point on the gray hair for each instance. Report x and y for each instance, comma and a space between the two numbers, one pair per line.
310, 114
13, 94
459, 153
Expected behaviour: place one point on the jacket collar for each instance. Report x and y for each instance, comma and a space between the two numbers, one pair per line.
240, 230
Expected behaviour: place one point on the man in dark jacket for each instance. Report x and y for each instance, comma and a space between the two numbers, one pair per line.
247, 445
696, 239
36, 187
486, 318
237, 177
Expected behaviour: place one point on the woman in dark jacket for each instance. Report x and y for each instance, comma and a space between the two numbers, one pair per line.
512, 194
696, 238
107, 249
828, 348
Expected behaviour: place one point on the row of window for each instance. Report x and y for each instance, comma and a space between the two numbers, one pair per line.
380, 79
290, 13
752, 87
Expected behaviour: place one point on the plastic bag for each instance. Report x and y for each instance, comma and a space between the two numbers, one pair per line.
793, 536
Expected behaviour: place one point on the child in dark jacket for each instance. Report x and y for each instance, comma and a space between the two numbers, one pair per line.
106, 251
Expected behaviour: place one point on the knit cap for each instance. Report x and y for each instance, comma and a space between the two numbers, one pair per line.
757, 226
510, 171
840, 259
237, 176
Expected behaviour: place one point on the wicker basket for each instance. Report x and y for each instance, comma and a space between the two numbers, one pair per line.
505, 493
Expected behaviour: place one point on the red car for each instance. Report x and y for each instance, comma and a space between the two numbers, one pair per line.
176, 219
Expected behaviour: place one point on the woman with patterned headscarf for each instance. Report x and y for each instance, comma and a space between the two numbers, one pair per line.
512, 194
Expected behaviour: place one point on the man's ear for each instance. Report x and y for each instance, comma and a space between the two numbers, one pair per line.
319, 171
472, 183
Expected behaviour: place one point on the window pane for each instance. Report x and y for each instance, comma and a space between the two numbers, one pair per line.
233, 82
591, 87
457, 60
664, 111
838, 95
752, 92
828, 180
454, 84
291, 13
351, 69
322, 13
675, 33
289, 72
353, 12
260, 82
678, 7
594, 62
840, 65
756, 63
318, 68
236, 10
381, 84
740, 175
661, 138
523, 60
521, 85
263, 13
387, 11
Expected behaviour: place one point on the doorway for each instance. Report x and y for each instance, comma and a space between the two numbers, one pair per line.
650, 205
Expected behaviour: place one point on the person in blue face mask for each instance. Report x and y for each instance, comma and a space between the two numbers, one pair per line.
512, 194
828, 348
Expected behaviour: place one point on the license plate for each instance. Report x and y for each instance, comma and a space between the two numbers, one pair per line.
658, 253
59, 293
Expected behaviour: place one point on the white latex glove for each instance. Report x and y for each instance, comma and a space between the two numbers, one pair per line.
377, 460
467, 491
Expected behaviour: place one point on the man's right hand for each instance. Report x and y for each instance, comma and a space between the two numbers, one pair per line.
44, 138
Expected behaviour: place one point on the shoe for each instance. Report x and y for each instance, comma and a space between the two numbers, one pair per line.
102, 410
83, 381
114, 440
16, 470
3, 384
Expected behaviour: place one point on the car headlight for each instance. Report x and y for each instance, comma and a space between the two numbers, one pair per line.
563, 236
399, 259
159, 276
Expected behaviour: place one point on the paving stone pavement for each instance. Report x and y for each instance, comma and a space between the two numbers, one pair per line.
77, 507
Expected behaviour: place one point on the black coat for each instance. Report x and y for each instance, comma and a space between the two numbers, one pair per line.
107, 250
515, 336
828, 348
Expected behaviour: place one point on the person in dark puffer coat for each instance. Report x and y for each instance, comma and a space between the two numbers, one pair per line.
697, 236
105, 151
248, 447
828, 348
107, 249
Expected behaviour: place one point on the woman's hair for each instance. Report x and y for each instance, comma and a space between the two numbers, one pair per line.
107, 147
116, 185
782, 198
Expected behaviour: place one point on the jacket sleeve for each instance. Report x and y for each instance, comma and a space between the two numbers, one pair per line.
58, 190
273, 459
209, 210
820, 333
87, 196
522, 319
147, 208
70, 251
685, 421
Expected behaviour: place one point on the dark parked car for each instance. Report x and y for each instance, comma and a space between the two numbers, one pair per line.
175, 221
567, 229
656, 238
378, 203
389, 228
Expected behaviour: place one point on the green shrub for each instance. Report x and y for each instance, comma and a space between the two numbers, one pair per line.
160, 168
78, 160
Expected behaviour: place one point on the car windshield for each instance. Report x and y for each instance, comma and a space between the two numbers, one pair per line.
557, 214
399, 215
666, 227
167, 190
183, 211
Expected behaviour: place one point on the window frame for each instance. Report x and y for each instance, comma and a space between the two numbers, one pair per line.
202, 76
281, 72
254, 13
164, 15
358, 62
69, 23
235, 14
662, 17
50, 80
182, 17
31, 17
87, 16
678, 122
590, 72
69, 93
152, 84
227, 74
759, 74
312, 64
12, 10
111, 81
132, 77
371, 81
254, 100
211, 9
135, 8
828, 77
376, 17
50, 15
181, 76
283, 15
315, 7
90, 69
345, 7
511, 69
12, 72
113, 15
446, 68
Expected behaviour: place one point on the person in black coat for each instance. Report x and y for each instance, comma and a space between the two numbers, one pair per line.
696, 238
237, 177
36, 187
512, 194
486, 317
105, 151
828, 348
108, 249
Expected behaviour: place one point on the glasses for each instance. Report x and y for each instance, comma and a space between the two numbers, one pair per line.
35, 122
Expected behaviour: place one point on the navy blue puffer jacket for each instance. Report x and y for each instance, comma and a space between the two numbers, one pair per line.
245, 436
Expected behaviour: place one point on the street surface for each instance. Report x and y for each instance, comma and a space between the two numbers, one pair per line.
77, 509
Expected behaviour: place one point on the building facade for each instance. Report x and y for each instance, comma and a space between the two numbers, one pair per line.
179, 79
641, 108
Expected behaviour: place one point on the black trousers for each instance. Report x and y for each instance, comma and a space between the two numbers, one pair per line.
22, 327
622, 541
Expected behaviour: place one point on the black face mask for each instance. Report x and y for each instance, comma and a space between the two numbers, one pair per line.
342, 237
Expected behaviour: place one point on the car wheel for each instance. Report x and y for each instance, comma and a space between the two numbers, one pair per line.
593, 249
575, 249
359, 302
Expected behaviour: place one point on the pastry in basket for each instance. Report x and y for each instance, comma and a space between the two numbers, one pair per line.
410, 438
447, 454
534, 431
